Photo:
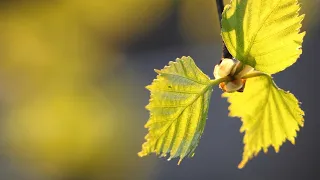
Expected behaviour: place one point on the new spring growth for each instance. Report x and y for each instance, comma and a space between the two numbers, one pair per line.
265, 42
233, 69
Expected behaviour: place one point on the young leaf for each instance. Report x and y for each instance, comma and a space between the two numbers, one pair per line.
178, 108
263, 34
269, 115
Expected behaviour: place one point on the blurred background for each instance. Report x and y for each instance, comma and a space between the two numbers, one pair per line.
72, 96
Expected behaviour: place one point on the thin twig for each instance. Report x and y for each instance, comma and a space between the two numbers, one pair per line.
225, 52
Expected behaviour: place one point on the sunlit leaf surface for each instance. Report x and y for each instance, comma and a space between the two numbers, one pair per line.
270, 116
178, 109
263, 34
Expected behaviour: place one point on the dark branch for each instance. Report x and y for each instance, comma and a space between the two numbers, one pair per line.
220, 6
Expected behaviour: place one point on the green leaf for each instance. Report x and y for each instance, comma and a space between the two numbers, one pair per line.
178, 108
264, 34
270, 115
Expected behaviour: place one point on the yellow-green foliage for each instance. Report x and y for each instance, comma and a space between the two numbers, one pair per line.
262, 34
270, 115
178, 108
265, 35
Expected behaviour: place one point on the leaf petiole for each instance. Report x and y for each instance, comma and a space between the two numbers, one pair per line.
215, 82
228, 79
255, 74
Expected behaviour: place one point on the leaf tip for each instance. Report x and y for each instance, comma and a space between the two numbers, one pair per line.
157, 71
163, 155
148, 107
142, 154
149, 87
242, 128
265, 150
292, 140
242, 163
